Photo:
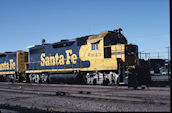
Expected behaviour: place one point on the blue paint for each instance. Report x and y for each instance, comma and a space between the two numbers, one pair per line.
50, 51
7, 59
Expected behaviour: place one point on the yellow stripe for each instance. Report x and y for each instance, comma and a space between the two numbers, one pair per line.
48, 70
9, 72
122, 83
71, 69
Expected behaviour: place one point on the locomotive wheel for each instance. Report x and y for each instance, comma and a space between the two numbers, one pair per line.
27, 79
94, 82
40, 81
2, 78
48, 81
106, 82
81, 80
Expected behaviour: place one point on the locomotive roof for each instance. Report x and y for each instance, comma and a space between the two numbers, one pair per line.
47, 44
9, 52
38, 46
81, 40
3, 55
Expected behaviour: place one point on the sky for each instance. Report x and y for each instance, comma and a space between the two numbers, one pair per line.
145, 23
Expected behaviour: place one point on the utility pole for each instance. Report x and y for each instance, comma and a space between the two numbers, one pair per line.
168, 62
149, 59
141, 54
147, 56
158, 55
168, 52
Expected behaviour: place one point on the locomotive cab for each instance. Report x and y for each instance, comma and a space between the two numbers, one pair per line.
110, 57
125, 55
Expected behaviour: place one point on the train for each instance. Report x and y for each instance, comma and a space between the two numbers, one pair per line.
104, 59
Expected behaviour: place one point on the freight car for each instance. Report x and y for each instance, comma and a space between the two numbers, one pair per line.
105, 58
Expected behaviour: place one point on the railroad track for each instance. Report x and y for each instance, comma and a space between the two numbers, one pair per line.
87, 92
77, 86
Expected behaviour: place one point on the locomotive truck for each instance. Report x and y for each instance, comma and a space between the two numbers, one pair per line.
104, 58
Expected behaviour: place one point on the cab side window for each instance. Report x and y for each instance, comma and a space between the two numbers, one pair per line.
95, 46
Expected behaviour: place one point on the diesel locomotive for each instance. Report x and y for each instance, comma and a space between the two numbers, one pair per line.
105, 58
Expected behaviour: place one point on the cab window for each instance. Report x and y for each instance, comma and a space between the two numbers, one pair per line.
95, 46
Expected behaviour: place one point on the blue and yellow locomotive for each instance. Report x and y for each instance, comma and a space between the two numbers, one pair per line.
12, 66
104, 58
